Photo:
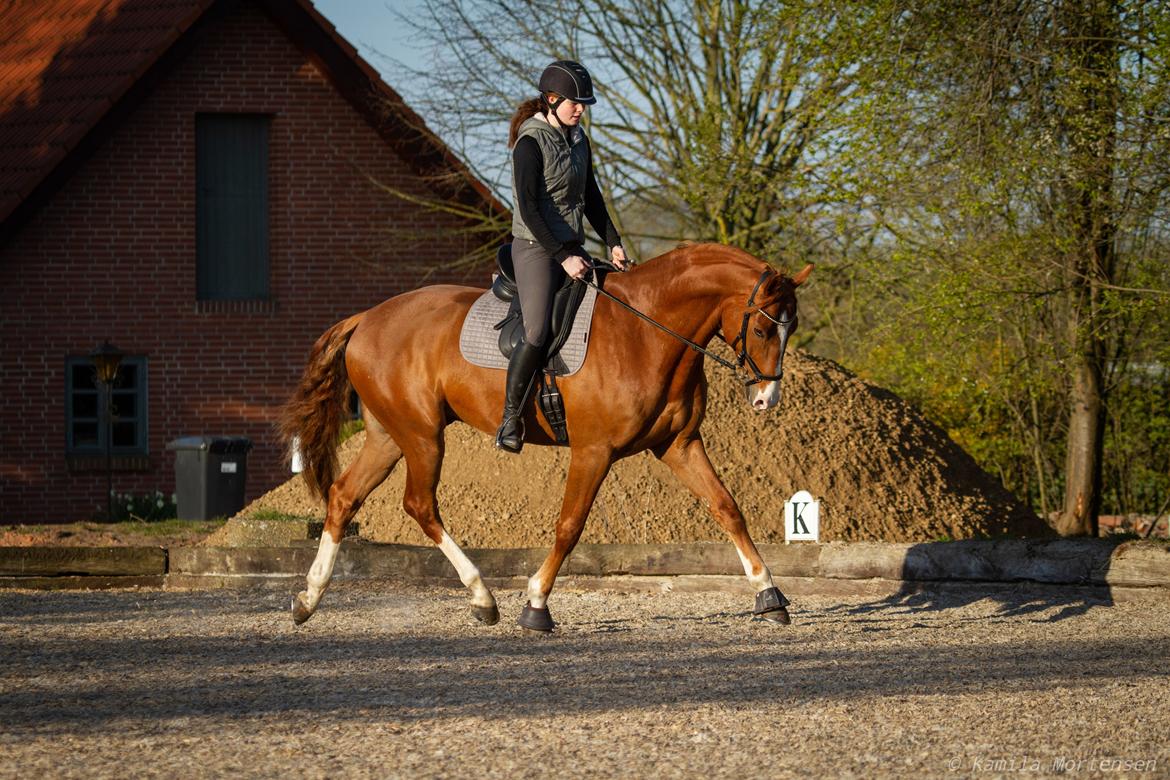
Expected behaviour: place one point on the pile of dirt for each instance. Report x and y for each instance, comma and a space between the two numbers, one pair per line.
880, 470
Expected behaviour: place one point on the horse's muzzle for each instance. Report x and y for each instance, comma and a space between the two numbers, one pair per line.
762, 398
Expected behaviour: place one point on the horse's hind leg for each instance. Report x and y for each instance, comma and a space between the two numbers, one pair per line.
687, 458
374, 463
424, 460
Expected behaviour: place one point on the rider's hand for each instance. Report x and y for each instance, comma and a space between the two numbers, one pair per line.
617, 256
575, 266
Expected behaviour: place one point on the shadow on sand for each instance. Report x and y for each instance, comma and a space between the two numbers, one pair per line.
1024, 577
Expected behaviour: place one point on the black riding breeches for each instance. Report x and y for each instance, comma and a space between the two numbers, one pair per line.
538, 277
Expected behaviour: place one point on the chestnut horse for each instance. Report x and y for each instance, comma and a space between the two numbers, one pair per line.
639, 389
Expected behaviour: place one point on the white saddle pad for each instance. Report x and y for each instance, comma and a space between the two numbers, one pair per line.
480, 342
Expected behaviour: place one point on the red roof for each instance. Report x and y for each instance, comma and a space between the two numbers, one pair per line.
66, 64
63, 64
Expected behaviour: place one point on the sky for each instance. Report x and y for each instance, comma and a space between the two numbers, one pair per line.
374, 30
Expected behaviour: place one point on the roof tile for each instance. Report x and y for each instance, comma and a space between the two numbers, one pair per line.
65, 63
62, 64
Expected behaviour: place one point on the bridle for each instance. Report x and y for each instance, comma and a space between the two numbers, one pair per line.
781, 327
743, 358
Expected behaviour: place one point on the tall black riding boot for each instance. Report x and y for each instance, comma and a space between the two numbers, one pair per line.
522, 368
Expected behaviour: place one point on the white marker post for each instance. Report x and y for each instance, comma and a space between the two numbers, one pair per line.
802, 518
297, 463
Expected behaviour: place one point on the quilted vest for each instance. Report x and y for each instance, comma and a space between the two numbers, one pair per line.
566, 166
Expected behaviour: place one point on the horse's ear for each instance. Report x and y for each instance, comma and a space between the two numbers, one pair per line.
800, 278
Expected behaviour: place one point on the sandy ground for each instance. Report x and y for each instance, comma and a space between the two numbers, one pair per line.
395, 680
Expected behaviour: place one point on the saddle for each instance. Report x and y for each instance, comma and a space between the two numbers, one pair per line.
566, 302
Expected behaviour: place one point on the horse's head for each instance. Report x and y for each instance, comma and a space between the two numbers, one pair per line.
762, 327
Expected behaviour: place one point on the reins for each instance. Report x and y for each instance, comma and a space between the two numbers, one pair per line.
741, 338
720, 360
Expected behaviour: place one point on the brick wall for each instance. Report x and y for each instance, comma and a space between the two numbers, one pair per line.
112, 256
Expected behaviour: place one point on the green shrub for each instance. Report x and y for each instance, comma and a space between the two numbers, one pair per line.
145, 507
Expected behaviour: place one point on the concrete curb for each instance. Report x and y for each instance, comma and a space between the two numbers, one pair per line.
1084, 562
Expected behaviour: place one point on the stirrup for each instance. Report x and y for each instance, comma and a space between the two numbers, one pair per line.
514, 442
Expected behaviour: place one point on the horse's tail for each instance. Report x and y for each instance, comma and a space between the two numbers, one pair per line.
312, 418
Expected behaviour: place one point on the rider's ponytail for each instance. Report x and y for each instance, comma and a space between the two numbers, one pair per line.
525, 110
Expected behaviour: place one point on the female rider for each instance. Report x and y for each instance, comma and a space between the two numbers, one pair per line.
554, 189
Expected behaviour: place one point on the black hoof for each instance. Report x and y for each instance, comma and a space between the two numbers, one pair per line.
300, 613
779, 616
770, 606
489, 616
536, 619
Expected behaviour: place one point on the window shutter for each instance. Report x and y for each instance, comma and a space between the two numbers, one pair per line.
231, 206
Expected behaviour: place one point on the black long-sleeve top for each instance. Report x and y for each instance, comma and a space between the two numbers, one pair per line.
528, 170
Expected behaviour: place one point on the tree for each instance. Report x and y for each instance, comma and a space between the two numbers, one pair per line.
984, 184
718, 119
1028, 167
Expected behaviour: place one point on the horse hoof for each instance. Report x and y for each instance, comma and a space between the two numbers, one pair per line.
771, 606
778, 616
489, 616
536, 619
300, 613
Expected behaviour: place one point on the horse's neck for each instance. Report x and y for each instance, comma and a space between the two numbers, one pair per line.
685, 293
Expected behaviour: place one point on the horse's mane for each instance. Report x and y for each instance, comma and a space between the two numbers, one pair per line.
701, 254
704, 261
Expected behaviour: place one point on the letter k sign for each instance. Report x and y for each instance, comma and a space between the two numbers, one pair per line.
802, 518
798, 526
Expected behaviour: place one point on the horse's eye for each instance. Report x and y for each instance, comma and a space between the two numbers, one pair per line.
758, 332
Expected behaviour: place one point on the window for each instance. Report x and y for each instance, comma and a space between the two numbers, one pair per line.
85, 408
231, 204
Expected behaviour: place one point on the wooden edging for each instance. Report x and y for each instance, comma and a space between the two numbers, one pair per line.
82, 561
1059, 562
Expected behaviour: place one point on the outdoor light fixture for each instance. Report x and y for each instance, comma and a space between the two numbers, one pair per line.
106, 360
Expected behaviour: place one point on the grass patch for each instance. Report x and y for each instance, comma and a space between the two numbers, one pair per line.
170, 527
349, 428
278, 516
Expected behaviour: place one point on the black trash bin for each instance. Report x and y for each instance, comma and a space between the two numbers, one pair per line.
210, 474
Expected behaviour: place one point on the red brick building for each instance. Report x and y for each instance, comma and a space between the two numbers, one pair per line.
191, 181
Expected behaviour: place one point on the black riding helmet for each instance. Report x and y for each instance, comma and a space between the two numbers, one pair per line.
568, 79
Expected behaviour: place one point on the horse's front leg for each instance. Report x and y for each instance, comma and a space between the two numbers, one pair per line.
587, 470
687, 458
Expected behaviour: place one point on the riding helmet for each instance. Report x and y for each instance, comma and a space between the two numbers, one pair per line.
568, 79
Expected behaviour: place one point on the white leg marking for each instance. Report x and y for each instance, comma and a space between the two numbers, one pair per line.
535, 596
468, 573
761, 581
321, 571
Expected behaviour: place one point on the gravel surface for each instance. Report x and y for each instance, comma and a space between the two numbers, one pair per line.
397, 680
